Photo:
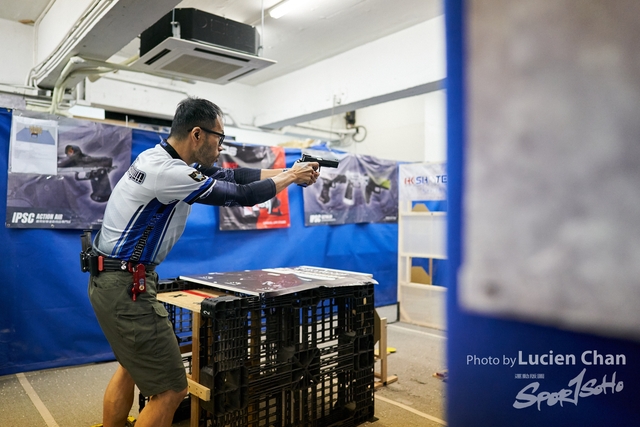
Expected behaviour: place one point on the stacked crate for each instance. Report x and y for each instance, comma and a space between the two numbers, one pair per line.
301, 358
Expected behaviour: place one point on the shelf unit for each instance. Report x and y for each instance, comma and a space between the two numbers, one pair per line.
421, 234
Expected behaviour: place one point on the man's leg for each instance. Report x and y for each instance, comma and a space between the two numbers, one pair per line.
160, 409
118, 399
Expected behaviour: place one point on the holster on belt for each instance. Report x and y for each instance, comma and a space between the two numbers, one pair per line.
88, 259
95, 264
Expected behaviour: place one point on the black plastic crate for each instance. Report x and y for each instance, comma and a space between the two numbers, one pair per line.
171, 285
363, 381
331, 327
222, 362
182, 320
308, 358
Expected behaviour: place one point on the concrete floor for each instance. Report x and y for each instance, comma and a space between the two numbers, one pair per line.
72, 397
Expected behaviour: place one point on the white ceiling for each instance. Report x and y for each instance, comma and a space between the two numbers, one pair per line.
17, 10
318, 31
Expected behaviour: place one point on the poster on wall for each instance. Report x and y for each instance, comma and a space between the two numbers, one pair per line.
362, 189
273, 213
89, 160
34, 144
424, 184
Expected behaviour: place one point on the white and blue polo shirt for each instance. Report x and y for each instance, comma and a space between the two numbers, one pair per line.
152, 199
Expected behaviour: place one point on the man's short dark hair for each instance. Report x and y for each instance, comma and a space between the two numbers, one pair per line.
193, 112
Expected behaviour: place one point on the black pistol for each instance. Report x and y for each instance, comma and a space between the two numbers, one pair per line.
330, 163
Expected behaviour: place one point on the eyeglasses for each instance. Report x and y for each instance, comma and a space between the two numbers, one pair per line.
221, 135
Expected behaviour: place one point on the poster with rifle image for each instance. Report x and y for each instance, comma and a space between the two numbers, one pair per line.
89, 159
273, 213
362, 189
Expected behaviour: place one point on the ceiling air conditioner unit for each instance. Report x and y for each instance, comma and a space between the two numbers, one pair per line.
196, 45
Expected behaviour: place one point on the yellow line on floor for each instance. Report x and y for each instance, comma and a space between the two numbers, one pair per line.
44, 412
410, 409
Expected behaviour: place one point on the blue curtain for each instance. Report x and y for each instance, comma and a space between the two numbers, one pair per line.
45, 317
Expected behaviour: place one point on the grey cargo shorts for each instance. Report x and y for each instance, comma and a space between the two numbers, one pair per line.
140, 333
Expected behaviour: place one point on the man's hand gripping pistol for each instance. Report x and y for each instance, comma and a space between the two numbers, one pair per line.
329, 163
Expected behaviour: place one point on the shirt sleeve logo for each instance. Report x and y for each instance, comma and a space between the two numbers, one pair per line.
197, 176
135, 174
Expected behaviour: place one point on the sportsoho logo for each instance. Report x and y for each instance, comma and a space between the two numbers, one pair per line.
578, 387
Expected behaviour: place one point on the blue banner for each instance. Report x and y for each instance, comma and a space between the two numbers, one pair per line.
45, 317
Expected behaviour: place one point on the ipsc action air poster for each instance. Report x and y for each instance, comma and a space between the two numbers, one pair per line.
62, 171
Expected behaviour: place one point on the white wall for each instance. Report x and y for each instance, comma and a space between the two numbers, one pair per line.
435, 126
16, 52
411, 129
394, 130
360, 77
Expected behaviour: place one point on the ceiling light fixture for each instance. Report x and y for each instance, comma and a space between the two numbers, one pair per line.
87, 112
284, 7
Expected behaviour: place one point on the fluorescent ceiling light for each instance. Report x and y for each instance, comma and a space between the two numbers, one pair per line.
284, 7
88, 112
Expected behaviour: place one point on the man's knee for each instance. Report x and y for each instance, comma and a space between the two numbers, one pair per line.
172, 398
179, 396
182, 394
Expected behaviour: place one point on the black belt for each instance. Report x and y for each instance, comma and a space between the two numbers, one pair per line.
114, 264
111, 264
99, 263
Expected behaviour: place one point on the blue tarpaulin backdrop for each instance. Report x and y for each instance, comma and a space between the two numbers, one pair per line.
45, 316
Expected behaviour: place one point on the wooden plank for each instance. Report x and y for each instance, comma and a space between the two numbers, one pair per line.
197, 389
381, 378
195, 368
383, 345
390, 379
189, 299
